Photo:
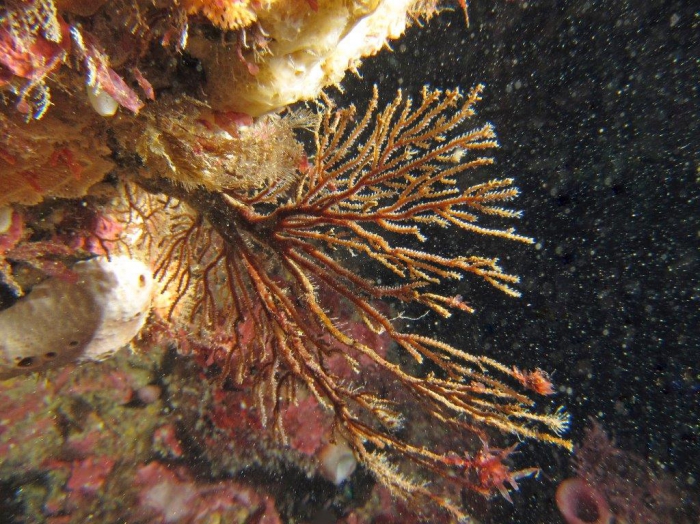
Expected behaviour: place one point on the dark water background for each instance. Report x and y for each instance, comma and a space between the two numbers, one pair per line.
595, 104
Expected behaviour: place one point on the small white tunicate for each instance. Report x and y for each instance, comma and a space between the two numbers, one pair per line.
101, 101
337, 462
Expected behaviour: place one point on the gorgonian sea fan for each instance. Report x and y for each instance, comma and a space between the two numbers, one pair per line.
275, 252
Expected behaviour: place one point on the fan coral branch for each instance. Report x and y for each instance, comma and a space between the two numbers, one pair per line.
375, 185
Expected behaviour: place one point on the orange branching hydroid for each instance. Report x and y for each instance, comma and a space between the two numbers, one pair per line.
226, 14
374, 186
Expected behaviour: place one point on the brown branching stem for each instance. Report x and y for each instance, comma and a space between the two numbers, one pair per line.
373, 186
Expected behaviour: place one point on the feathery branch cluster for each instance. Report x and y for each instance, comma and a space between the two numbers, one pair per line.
373, 186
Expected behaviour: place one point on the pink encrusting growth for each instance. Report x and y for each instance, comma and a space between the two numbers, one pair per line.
579, 503
616, 485
173, 496
33, 56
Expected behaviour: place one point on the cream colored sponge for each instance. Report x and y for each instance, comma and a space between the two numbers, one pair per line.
307, 50
89, 319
